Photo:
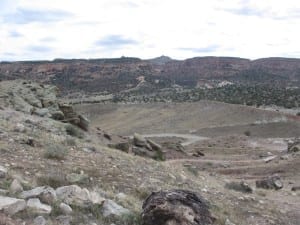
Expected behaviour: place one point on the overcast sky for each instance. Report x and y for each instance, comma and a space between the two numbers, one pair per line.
49, 29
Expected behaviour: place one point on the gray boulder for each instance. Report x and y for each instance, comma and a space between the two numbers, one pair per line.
65, 208
11, 205
140, 141
43, 112
155, 146
35, 206
44, 193
110, 208
72, 117
40, 220
74, 195
15, 187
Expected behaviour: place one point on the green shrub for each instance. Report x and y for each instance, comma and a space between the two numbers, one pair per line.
54, 178
70, 141
55, 152
247, 133
74, 131
131, 219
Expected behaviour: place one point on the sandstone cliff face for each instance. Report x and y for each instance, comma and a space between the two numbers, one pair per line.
114, 75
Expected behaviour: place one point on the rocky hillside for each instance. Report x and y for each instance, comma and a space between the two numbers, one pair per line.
114, 75
54, 172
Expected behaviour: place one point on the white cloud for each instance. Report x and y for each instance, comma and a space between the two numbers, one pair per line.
51, 29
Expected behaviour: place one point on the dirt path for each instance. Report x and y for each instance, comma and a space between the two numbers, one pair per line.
190, 138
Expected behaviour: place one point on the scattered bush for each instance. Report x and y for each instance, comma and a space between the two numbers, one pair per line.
55, 152
247, 133
239, 186
70, 141
193, 170
131, 219
54, 178
74, 131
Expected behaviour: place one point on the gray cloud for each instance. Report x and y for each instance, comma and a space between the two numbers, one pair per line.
25, 16
207, 49
115, 41
39, 48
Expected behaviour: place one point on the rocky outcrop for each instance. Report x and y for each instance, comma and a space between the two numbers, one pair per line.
40, 100
176, 207
72, 117
140, 141
147, 148
139, 145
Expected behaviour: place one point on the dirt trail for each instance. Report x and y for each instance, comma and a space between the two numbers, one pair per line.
190, 138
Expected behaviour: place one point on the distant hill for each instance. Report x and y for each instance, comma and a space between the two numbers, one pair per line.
119, 74
160, 60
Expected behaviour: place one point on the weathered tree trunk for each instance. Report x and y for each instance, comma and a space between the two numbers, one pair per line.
176, 207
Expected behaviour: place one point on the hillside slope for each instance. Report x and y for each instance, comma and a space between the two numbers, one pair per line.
114, 75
